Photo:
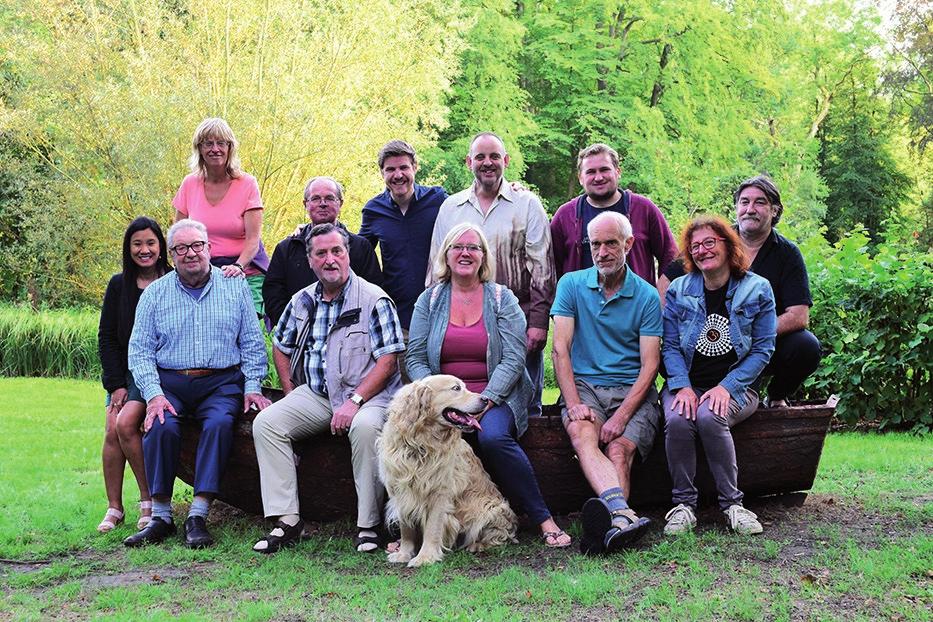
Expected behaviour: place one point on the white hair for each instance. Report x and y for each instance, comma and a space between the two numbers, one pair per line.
185, 223
621, 222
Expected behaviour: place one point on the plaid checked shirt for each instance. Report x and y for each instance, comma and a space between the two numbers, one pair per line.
175, 331
385, 331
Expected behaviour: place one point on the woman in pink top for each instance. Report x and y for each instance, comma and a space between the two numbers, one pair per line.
219, 194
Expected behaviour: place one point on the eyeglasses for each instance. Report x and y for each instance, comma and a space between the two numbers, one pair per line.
470, 248
210, 144
180, 250
329, 199
708, 244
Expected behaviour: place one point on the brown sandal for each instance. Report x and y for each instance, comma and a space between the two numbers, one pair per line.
552, 539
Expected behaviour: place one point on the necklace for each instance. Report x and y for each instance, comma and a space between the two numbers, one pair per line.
466, 298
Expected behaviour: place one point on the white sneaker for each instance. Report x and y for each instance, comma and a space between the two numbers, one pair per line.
680, 519
742, 521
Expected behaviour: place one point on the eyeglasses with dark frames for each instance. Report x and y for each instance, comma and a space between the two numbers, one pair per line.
180, 250
708, 244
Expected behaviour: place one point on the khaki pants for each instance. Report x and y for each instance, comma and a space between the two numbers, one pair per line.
298, 415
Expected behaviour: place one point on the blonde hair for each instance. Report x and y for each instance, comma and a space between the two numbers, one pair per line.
487, 265
214, 128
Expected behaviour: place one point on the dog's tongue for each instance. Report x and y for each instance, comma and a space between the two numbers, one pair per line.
463, 419
473, 423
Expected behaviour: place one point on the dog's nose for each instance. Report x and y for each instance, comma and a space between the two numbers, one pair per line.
484, 400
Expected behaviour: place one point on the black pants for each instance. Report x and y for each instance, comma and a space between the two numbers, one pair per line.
796, 356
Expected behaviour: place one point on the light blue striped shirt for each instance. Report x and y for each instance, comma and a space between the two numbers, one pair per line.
175, 331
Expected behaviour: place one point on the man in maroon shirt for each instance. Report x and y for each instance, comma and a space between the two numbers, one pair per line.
599, 172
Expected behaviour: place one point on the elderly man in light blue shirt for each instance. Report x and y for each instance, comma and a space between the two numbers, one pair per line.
196, 351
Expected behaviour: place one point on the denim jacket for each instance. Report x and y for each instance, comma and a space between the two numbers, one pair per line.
504, 321
752, 328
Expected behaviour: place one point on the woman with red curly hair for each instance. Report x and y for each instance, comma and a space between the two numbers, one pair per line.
719, 333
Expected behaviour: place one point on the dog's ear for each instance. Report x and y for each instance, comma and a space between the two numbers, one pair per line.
406, 406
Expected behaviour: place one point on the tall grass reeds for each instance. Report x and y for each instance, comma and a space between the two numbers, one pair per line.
58, 343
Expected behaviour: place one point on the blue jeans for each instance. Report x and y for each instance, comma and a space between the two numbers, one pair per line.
534, 365
508, 465
213, 401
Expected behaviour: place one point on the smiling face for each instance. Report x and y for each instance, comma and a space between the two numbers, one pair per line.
322, 201
330, 260
214, 151
599, 177
707, 260
398, 173
192, 267
754, 212
488, 160
608, 247
144, 249
465, 255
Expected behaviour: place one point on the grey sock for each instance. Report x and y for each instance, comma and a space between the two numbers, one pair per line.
162, 509
199, 507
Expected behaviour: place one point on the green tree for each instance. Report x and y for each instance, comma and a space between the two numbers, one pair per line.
113, 90
485, 96
866, 185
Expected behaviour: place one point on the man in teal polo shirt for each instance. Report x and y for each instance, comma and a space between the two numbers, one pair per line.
607, 338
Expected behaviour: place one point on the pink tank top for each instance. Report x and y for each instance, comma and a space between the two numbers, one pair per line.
463, 354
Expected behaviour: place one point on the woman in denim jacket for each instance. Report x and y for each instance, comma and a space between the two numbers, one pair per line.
472, 328
719, 333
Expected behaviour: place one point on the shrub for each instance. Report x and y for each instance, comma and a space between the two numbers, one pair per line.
48, 343
873, 315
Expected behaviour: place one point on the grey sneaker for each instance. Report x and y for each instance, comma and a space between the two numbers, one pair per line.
680, 519
742, 521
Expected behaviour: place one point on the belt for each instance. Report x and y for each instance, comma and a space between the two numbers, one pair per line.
198, 373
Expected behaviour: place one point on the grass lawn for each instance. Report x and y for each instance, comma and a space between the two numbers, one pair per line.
860, 548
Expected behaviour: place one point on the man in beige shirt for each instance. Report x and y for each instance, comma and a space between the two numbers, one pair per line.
519, 236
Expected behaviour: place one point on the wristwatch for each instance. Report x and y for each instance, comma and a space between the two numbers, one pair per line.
357, 399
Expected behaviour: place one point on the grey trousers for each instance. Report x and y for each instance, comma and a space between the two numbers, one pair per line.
303, 413
680, 435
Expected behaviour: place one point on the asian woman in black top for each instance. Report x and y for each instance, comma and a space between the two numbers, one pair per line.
144, 261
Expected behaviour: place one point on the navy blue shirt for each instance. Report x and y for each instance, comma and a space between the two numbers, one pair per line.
404, 242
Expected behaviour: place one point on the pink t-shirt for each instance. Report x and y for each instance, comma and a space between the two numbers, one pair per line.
226, 229
463, 354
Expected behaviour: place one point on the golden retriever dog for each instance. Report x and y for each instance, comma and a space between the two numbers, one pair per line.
439, 493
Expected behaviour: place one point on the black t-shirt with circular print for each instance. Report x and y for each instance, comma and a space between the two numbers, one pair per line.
715, 353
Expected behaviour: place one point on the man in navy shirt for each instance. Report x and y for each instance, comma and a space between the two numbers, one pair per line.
796, 355
401, 221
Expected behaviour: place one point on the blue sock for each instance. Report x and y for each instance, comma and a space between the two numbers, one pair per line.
614, 498
162, 510
199, 507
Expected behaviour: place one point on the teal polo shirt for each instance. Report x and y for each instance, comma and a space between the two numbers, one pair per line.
605, 350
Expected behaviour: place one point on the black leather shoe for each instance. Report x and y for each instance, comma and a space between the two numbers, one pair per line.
157, 530
196, 534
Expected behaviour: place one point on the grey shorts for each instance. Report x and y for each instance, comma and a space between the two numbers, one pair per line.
133, 393
641, 429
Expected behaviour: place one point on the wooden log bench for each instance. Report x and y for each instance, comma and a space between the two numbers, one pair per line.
778, 451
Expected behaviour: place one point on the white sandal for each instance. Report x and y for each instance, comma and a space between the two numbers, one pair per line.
144, 521
112, 518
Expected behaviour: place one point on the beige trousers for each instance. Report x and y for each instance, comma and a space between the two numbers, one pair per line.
298, 415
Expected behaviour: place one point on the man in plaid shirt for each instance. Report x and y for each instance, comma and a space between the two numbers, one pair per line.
335, 349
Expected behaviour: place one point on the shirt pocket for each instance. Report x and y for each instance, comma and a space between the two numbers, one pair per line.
354, 354
745, 316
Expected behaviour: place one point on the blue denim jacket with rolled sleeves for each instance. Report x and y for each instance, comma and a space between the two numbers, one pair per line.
752, 328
